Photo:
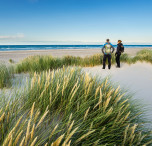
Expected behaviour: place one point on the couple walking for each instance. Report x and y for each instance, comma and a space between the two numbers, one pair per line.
108, 49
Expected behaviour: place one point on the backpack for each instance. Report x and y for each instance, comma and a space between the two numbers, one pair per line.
108, 48
122, 48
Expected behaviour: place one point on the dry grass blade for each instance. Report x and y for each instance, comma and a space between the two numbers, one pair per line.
133, 130
2, 117
10, 142
84, 136
22, 142
53, 131
58, 141
106, 103
32, 132
34, 141
74, 93
86, 113
69, 143
102, 130
97, 90
149, 142
36, 115
69, 136
125, 135
125, 118
69, 129
42, 118
32, 110
18, 137
96, 142
69, 121
27, 132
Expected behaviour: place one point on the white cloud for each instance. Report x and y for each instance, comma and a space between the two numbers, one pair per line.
17, 36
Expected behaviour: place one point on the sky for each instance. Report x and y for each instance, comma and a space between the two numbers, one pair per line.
75, 21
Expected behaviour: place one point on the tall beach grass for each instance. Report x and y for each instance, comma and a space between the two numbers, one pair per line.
69, 107
40, 63
65, 106
5, 75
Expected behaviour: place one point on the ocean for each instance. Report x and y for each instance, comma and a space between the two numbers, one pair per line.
49, 47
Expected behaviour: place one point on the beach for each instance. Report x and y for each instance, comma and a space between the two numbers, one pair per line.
135, 77
17, 56
109, 98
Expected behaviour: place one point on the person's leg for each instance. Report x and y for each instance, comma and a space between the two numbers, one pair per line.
109, 61
104, 61
118, 60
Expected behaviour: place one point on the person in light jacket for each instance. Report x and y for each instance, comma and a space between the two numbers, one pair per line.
107, 50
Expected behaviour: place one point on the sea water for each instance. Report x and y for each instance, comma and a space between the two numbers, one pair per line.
49, 47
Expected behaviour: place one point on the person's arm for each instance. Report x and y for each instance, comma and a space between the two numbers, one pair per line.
113, 49
103, 49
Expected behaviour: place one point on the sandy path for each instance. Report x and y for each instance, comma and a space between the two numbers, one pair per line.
136, 77
19, 55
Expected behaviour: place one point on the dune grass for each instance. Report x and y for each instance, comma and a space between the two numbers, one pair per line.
143, 55
5, 75
40, 63
68, 107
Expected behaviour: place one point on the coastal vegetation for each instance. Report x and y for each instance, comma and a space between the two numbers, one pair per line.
5, 75
59, 104
40, 63
68, 107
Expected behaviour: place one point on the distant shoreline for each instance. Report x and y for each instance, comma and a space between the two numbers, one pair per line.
20, 55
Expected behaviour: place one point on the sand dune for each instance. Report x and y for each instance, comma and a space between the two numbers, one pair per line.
136, 77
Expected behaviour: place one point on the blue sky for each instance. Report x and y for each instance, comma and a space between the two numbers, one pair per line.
75, 21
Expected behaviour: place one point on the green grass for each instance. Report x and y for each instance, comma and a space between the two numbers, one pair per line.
69, 107
144, 55
5, 76
40, 63
11, 61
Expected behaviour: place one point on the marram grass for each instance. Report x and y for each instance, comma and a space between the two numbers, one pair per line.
68, 107
5, 75
41, 63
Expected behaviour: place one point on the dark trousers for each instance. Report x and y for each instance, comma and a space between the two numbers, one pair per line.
104, 60
118, 59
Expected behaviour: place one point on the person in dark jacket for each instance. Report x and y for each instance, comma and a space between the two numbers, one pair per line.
107, 50
118, 53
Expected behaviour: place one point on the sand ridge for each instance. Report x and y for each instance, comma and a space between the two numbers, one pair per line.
136, 78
